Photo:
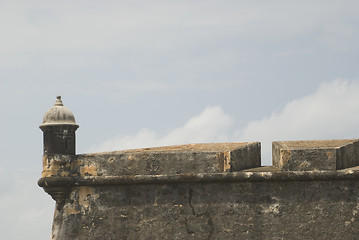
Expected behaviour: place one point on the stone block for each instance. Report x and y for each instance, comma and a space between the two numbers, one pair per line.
315, 155
181, 159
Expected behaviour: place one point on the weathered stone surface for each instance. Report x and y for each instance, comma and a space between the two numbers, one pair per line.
212, 210
57, 165
181, 159
315, 155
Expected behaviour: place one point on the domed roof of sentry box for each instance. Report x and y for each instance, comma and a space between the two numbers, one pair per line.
58, 115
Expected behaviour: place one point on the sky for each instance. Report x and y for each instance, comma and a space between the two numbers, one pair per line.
152, 73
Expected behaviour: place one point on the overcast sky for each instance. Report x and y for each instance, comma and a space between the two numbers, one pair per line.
151, 73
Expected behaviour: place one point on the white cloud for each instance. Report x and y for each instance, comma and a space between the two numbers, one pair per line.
209, 126
212, 125
329, 113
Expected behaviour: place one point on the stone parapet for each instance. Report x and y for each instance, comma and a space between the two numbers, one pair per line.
180, 159
315, 155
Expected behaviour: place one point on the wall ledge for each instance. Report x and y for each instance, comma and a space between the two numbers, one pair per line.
346, 174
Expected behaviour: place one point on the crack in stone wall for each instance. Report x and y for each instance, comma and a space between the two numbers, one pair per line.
198, 216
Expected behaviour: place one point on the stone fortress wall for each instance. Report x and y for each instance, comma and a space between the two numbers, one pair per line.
200, 191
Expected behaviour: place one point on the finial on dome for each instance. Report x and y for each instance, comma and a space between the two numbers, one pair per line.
58, 101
